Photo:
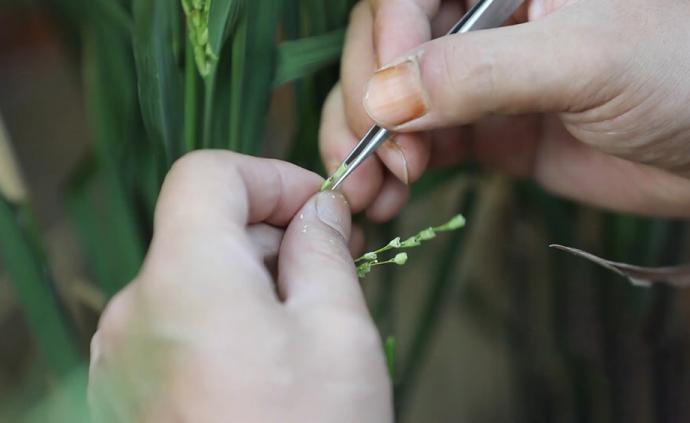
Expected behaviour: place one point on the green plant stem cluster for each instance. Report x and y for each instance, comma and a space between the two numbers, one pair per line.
372, 259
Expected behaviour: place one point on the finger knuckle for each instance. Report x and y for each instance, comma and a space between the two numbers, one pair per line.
468, 73
115, 318
196, 163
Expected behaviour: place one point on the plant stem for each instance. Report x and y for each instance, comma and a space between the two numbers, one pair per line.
190, 100
210, 83
239, 51
43, 308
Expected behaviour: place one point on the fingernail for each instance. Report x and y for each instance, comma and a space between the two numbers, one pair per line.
332, 209
399, 170
395, 95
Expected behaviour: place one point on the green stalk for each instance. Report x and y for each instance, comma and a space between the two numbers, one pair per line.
190, 99
239, 48
35, 288
208, 109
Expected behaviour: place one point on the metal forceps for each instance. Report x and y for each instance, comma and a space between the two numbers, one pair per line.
484, 15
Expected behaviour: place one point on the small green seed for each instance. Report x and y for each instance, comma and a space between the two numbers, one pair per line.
427, 234
363, 269
370, 256
395, 243
400, 259
410, 242
456, 222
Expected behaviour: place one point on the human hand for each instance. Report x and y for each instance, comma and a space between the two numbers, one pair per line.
206, 334
589, 97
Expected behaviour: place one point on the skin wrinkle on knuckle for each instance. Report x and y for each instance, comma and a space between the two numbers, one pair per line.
467, 73
194, 169
275, 186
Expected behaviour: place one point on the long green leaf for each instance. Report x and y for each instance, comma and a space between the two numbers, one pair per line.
303, 57
254, 60
112, 13
237, 86
222, 20
159, 78
191, 96
113, 254
106, 210
35, 289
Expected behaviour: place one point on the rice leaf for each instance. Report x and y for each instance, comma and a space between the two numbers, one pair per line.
678, 276
159, 79
303, 57
237, 86
389, 350
113, 14
254, 60
114, 253
191, 95
222, 20
98, 194
35, 289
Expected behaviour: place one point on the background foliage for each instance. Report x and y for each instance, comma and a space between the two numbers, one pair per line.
566, 341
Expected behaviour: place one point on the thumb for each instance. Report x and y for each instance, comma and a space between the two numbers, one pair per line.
315, 267
550, 65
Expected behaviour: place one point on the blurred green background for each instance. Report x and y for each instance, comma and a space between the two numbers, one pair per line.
99, 97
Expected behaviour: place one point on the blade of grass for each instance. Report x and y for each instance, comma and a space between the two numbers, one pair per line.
303, 57
112, 111
111, 259
26, 265
223, 17
257, 57
237, 74
112, 13
389, 349
678, 276
190, 100
159, 79
317, 19
209, 94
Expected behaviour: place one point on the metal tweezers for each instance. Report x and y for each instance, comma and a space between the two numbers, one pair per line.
484, 15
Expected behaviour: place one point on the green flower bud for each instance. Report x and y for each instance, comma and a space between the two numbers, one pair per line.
395, 243
363, 269
400, 259
410, 242
427, 234
456, 222
370, 256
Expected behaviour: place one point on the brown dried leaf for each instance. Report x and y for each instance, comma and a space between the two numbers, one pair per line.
678, 276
